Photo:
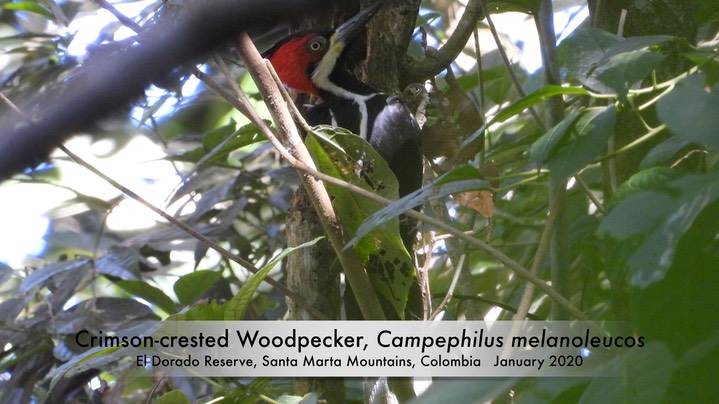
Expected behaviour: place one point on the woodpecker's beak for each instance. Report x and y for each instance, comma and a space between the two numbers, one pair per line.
345, 32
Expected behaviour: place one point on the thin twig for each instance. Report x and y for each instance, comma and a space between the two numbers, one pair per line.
452, 286
512, 74
590, 194
431, 66
538, 260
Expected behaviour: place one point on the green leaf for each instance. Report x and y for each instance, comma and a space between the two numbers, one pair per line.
624, 70
664, 217
461, 179
235, 308
172, 397
95, 358
120, 262
381, 251
191, 286
583, 50
654, 257
690, 111
210, 311
637, 214
591, 133
38, 277
536, 97
29, 6
148, 292
608, 63
5, 273
548, 143
664, 151
218, 143
651, 179
640, 375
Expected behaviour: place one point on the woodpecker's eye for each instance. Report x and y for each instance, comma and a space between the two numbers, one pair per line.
317, 44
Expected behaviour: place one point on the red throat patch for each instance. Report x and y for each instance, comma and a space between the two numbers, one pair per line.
292, 61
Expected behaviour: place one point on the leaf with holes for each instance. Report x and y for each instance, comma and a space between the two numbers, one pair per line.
348, 157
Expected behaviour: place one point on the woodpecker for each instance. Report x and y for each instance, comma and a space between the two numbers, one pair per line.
315, 63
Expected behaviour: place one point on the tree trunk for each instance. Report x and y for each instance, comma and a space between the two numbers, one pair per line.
314, 272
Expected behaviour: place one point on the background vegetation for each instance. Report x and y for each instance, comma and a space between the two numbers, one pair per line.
598, 175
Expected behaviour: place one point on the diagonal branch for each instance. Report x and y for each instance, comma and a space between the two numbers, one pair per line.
292, 143
109, 84
433, 64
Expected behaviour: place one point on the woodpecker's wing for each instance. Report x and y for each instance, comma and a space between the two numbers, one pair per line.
397, 137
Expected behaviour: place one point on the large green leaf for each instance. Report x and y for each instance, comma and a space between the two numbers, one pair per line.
548, 143
623, 71
660, 218
651, 179
690, 111
575, 141
347, 156
609, 63
640, 375
590, 135
191, 286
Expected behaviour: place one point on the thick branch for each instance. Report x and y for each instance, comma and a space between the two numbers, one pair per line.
112, 83
356, 275
433, 64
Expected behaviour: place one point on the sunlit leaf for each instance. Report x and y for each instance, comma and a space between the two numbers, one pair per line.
536, 97
29, 6
210, 311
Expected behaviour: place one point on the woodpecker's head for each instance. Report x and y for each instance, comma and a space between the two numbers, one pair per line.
305, 61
